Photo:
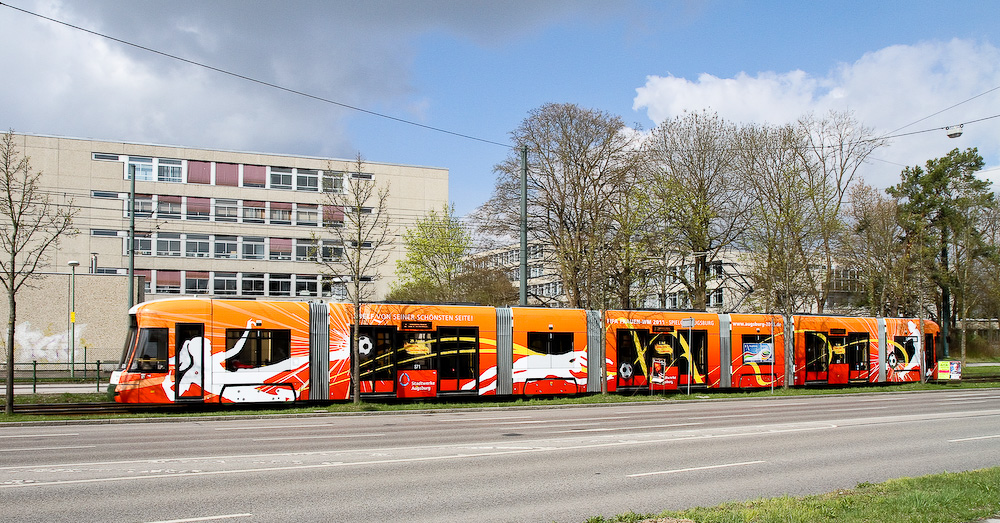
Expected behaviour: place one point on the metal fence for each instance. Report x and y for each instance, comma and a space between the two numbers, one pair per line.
37, 373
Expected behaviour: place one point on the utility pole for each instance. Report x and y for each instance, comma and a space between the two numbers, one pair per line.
524, 226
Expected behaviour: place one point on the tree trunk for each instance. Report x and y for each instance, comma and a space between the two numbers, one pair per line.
11, 321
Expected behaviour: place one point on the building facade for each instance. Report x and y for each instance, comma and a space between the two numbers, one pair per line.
216, 223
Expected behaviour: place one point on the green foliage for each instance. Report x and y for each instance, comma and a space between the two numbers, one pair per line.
435, 249
948, 497
437, 266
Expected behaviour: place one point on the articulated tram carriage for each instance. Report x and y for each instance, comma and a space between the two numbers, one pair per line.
233, 351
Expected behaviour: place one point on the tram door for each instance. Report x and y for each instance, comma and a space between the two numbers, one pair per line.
816, 356
692, 362
457, 351
377, 359
189, 362
858, 344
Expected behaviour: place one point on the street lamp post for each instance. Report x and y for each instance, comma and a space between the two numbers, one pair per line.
72, 318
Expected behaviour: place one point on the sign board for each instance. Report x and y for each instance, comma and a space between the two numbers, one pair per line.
949, 370
687, 323
758, 353
663, 377
416, 384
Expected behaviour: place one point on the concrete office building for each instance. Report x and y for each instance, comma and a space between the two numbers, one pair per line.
215, 223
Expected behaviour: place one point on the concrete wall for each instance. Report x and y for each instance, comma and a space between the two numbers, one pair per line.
42, 330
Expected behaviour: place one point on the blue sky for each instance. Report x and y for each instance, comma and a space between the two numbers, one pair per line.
478, 68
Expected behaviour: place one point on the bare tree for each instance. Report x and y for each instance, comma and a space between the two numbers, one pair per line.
691, 162
874, 246
771, 169
832, 150
354, 244
577, 161
30, 226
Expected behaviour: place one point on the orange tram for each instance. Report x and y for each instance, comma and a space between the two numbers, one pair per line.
221, 351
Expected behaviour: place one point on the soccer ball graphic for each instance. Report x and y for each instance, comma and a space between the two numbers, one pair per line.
365, 345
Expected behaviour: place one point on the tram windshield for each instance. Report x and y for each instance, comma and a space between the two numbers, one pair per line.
150, 351
133, 329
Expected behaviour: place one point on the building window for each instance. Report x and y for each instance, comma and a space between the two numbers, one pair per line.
254, 212
253, 248
197, 246
306, 285
333, 216
199, 172
334, 288
332, 251
307, 180
253, 284
333, 182
106, 157
281, 178
281, 213
280, 285
198, 208
280, 249
168, 282
227, 174
196, 282
168, 244
226, 247
225, 283
169, 171
306, 215
143, 244
168, 207
140, 169
305, 250
226, 210
254, 176
143, 206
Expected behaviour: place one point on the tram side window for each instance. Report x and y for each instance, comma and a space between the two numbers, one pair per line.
698, 350
903, 349
551, 343
375, 349
151, 351
457, 348
416, 351
259, 347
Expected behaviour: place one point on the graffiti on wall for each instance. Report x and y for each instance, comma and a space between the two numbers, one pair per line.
44, 345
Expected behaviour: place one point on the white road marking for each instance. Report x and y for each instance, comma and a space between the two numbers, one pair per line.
720, 416
498, 418
855, 408
325, 436
48, 448
315, 425
40, 435
692, 469
973, 439
577, 431
206, 518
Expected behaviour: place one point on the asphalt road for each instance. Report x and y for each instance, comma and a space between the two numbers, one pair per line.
551, 464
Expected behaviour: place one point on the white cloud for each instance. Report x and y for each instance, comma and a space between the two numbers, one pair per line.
889, 90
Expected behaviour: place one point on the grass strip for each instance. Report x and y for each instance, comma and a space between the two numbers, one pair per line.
950, 497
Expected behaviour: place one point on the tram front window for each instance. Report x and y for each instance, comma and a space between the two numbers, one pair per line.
151, 351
